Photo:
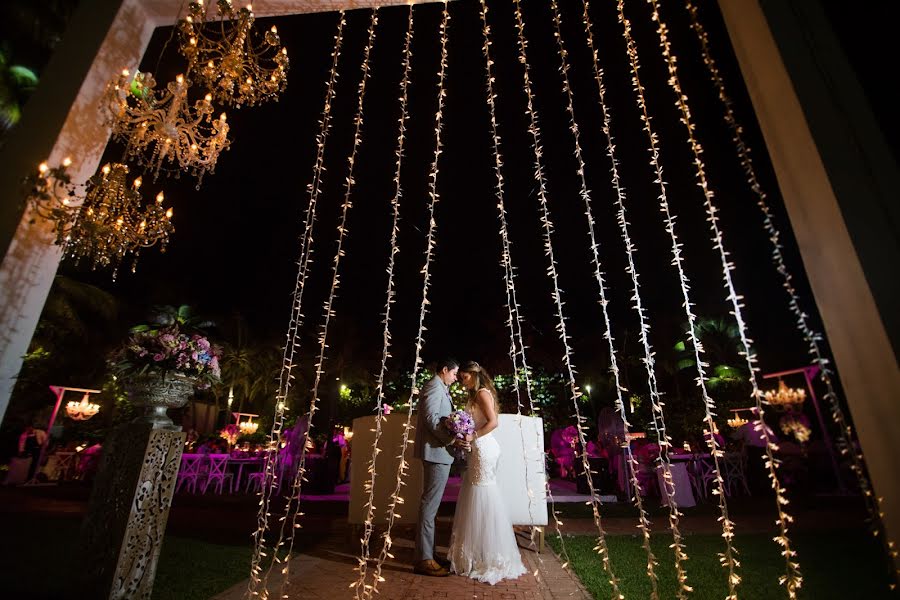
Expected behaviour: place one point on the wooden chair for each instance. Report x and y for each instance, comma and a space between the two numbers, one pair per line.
702, 473
189, 473
255, 480
735, 467
217, 475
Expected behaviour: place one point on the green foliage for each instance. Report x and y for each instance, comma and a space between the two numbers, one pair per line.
16, 84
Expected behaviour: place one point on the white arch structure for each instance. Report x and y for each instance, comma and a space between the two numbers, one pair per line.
104, 35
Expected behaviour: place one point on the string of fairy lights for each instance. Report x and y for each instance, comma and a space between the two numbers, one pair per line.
728, 558
434, 197
547, 225
677, 261
643, 519
845, 442
328, 312
369, 488
792, 580
369, 576
292, 343
514, 318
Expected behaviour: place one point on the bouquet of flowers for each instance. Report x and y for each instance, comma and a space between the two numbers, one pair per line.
460, 423
230, 434
165, 348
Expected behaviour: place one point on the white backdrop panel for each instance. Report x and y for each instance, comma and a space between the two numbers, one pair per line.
521, 441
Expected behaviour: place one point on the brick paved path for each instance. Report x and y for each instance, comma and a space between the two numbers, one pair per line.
327, 573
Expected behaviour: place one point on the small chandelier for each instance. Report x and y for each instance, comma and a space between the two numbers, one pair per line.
51, 195
785, 398
248, 427
111, 222
737, 421
161, 128
232, 63
82, 411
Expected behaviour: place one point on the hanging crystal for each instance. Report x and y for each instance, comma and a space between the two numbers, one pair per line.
228, 57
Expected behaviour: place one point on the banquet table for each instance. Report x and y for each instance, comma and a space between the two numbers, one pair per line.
251, 462
684, 495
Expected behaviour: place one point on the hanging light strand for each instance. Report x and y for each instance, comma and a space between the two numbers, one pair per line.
516, 347
369, 487
677, 261
643, 519
328, 311
792, 580
292, 342
403, 469
845, 442
540, 179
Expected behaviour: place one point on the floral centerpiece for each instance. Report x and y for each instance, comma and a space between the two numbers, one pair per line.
230, 434
461, 424
161, 363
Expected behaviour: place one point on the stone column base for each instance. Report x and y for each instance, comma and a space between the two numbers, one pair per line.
122, 534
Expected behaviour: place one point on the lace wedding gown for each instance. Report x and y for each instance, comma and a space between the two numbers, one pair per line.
483, 546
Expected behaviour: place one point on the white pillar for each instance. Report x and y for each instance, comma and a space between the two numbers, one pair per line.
858, 339
62, 119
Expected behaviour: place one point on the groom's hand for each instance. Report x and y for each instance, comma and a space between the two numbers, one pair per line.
464, 444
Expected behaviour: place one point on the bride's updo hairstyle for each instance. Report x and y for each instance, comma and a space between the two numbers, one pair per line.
482, 380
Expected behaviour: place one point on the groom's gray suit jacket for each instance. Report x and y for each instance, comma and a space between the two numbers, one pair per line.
431, 436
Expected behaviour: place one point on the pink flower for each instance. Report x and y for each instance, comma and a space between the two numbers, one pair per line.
158, 356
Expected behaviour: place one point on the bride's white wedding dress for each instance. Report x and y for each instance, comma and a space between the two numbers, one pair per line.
483, 545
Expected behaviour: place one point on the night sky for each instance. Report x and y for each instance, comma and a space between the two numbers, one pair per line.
236, 241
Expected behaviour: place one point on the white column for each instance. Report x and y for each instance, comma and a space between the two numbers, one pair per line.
862, 350
69, 95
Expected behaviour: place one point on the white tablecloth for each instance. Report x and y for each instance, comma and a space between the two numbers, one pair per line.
684, 495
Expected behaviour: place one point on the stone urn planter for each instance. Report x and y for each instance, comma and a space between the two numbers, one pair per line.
157, 393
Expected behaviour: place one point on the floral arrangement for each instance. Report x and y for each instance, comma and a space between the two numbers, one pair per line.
796, 424
230, 434
167, 348
460, 423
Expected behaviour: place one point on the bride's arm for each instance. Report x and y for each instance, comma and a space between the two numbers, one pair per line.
486, 404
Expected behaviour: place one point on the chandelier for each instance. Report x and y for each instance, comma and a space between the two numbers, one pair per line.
737, 421
82, 411
248, 427
229, 60
785, 398
161, 128
51, 195
111, 222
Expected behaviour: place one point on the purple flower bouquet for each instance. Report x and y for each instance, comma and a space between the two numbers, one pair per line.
460, 424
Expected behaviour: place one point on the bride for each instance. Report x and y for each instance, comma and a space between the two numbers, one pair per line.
482, 545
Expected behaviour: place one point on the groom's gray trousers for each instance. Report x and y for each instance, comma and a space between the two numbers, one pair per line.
435, 477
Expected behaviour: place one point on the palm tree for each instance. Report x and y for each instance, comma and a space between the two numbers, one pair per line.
722, 349
249, 369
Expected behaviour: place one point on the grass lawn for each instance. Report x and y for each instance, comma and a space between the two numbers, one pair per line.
44, 567
841, 565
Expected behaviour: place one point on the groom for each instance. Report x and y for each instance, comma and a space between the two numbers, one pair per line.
432, 440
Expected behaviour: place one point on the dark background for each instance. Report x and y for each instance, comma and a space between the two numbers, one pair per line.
236, 239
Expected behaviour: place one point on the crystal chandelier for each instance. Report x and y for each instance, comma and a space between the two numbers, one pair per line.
248, 427
737, 421
229, 60
82, 411
161, 128
112, 223
785, 398
51, 195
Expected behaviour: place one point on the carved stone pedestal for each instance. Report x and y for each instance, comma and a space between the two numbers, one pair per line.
123, 531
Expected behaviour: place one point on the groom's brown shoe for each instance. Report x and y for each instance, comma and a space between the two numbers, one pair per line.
430, 568
444, 562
